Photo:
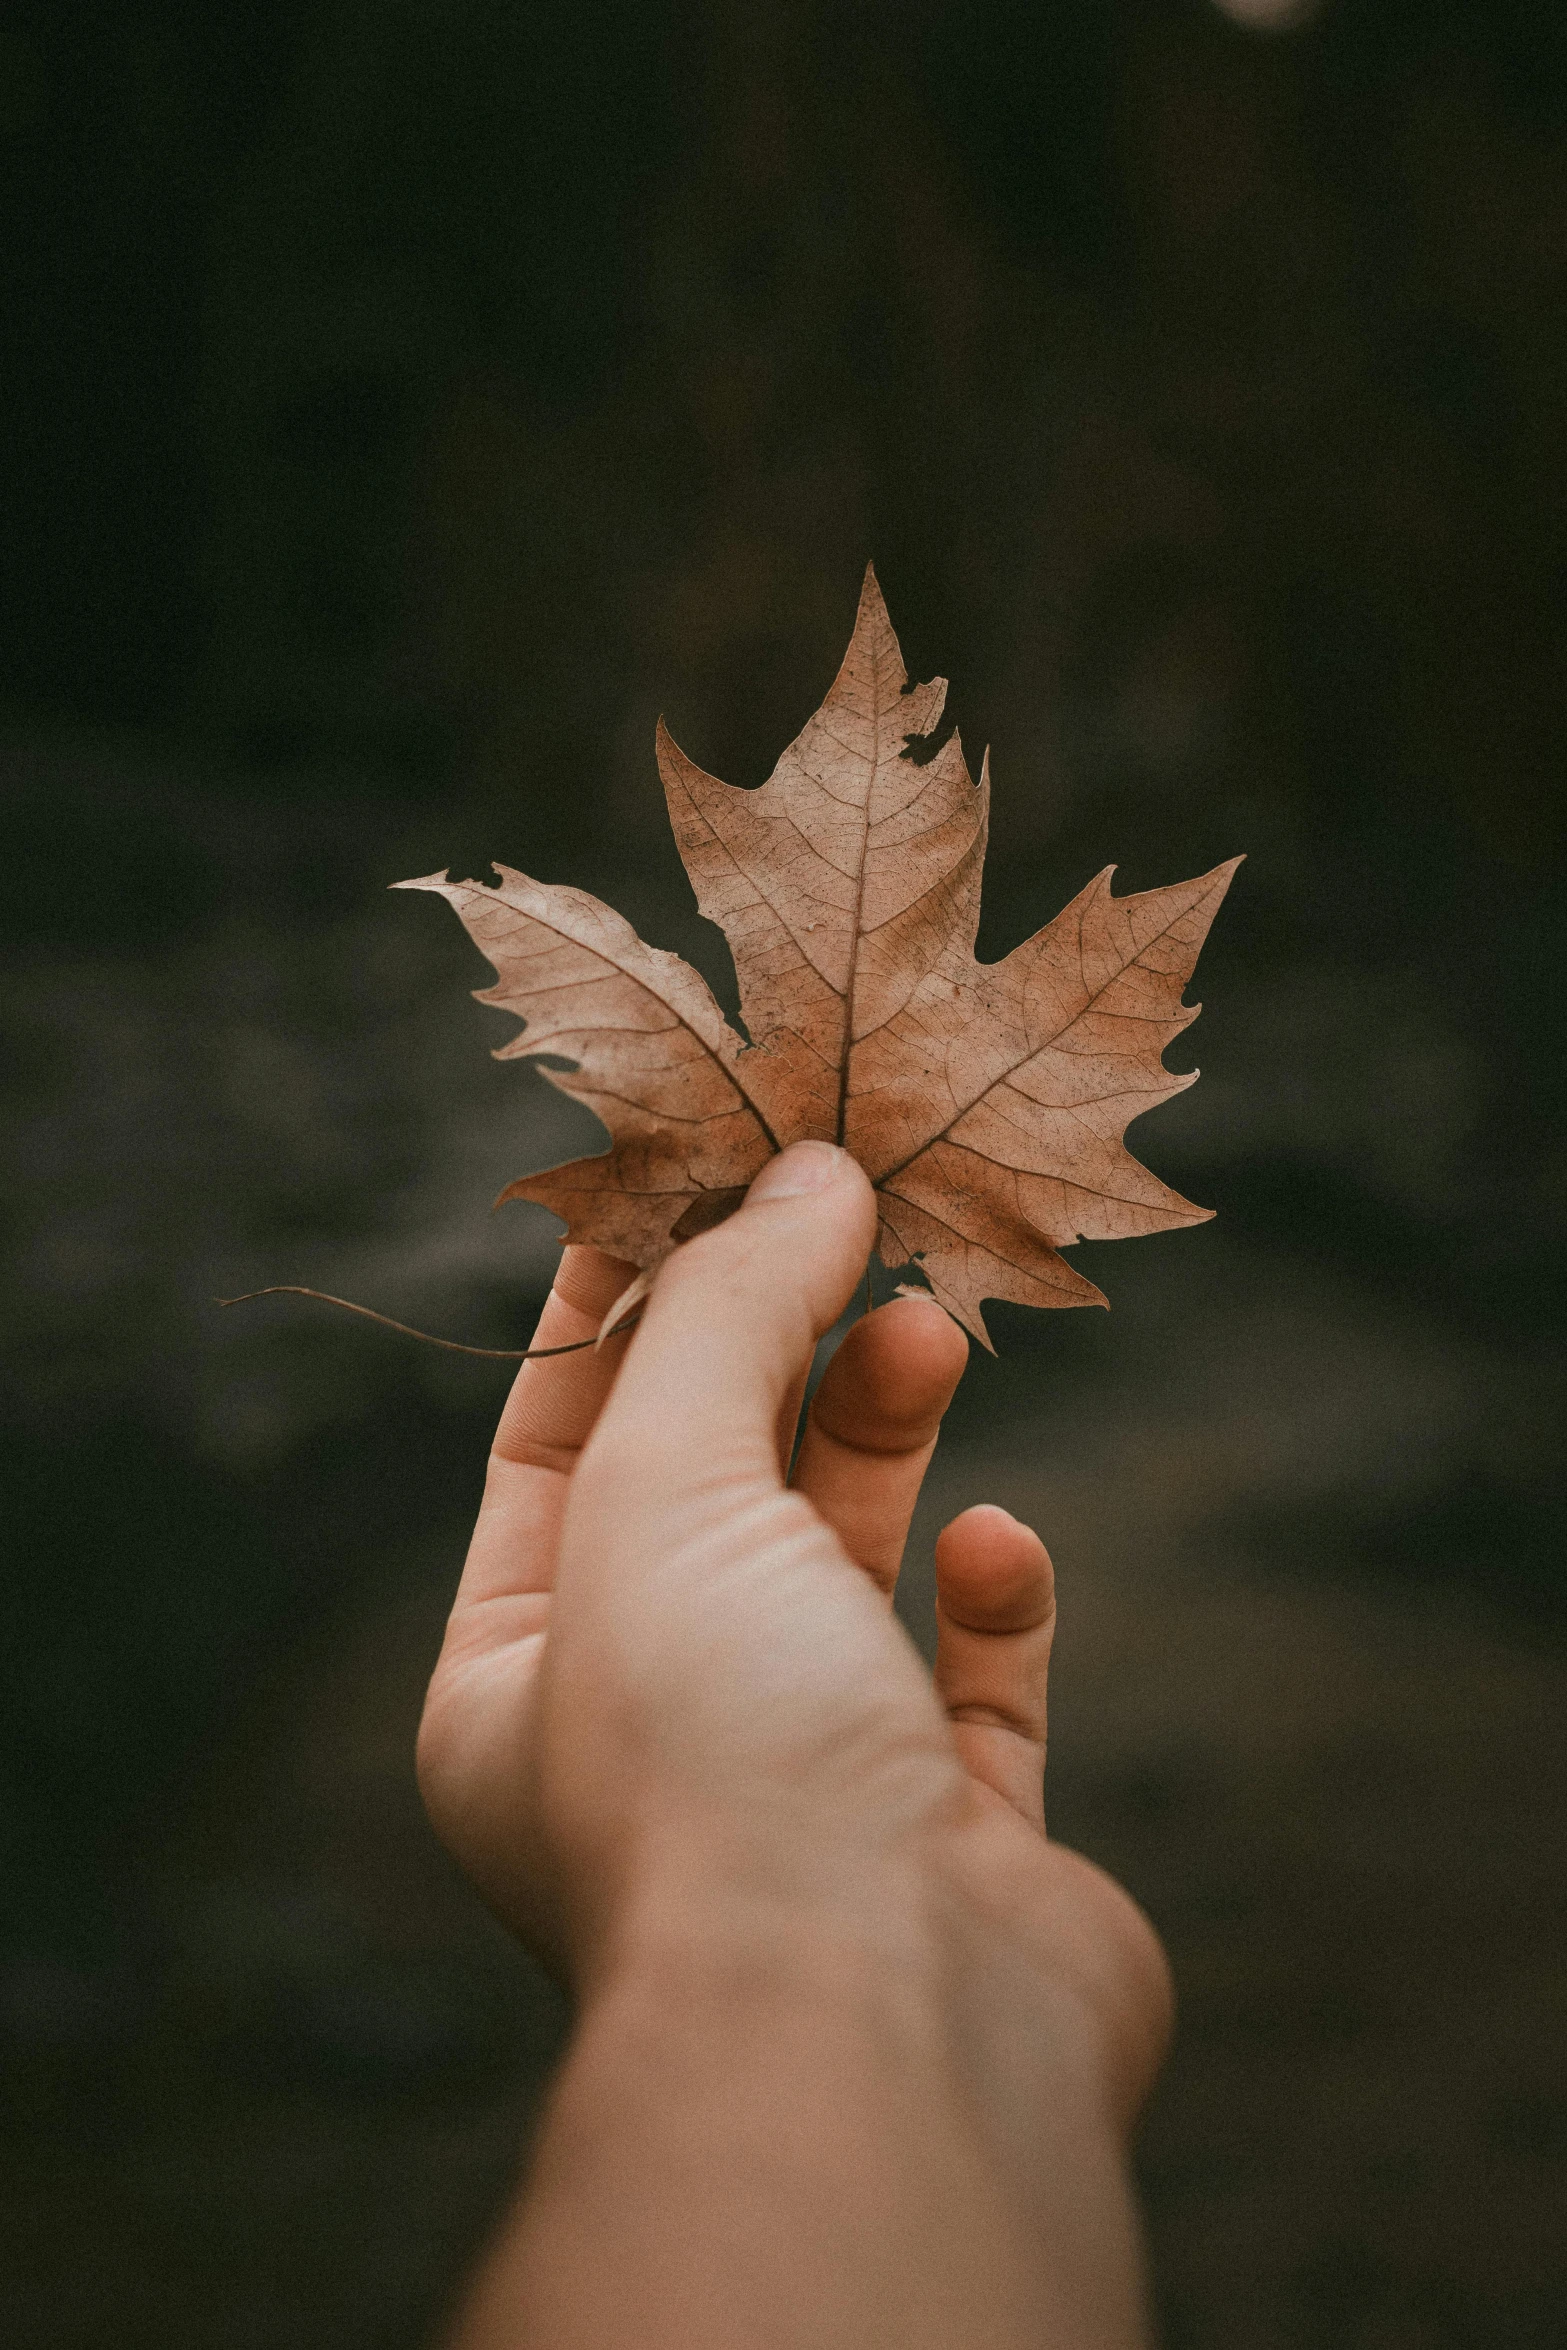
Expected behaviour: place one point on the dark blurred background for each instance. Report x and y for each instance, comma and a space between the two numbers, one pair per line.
403, 403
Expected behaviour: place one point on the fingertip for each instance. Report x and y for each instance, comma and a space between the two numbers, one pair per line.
816, 1180
918, 1349
554, 1400
590, 1279
925, 1335
799, 1168
893, 1377
799, 1240
993, 1573
734, 1315
985, 1526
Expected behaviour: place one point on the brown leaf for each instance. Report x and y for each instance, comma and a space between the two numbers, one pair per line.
987, 1102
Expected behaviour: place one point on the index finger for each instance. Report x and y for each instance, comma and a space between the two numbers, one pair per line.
553, 1404
547, 1419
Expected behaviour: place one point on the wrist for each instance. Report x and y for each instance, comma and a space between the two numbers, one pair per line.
776, 2050
779, 2085
910, 1947
776, 1922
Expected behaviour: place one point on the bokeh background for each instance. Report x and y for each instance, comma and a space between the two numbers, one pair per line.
404, 401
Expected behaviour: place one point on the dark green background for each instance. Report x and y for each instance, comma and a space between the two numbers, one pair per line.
403, 403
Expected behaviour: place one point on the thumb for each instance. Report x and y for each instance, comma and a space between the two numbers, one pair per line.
730, 1326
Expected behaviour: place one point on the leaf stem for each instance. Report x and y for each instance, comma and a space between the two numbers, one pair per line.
498, 1354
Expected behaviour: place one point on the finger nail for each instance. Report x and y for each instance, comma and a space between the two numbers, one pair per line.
804, 1166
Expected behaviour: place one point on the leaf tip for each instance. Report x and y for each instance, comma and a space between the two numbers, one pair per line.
873, 604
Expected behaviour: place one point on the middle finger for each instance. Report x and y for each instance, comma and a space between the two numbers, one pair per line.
872, 1428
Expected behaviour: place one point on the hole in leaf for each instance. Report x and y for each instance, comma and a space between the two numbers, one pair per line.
920, 749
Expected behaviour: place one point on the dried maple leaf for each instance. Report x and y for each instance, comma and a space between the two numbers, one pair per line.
987, 1102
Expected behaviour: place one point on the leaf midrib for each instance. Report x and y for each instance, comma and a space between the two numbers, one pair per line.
846, 1032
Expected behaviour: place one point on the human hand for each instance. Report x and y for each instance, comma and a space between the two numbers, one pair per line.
670, 1678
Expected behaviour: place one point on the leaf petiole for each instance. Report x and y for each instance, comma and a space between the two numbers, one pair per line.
499, 1354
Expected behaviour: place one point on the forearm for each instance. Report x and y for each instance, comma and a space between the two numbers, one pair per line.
776, 2131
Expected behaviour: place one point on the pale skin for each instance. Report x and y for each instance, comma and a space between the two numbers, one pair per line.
857, 2048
